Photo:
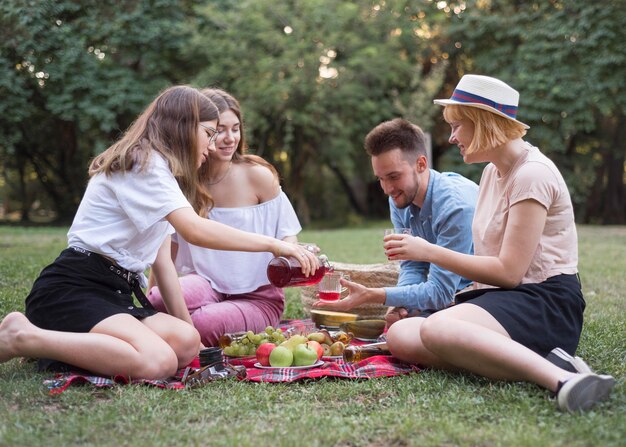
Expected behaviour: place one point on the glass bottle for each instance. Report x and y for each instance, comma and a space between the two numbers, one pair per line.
287, 272
227, 339
356, 353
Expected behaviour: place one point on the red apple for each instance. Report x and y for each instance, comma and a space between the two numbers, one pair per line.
263, 353
315, 345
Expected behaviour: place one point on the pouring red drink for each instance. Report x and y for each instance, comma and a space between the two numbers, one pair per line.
287, 272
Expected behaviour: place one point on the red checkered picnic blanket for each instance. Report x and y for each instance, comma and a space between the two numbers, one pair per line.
373, 367
64, 380
370, 368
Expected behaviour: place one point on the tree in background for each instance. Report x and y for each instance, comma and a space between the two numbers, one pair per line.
72, 77
314, 77
567, 59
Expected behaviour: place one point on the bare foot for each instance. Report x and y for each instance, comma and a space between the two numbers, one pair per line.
14, 324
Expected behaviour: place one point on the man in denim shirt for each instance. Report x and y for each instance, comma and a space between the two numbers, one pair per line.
438, 207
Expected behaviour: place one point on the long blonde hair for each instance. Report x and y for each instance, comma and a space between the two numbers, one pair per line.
490, 130
169, 126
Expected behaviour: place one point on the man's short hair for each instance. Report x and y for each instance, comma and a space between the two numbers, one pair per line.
396, 134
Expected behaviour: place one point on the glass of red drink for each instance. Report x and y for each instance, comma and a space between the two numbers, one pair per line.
329, 288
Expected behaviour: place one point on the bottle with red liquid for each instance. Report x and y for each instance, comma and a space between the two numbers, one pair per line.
287, 272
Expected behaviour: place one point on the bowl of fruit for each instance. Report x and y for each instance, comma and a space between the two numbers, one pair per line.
245, 344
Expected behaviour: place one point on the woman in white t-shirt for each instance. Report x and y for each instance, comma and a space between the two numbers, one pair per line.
524, 318
228, 292
81, 311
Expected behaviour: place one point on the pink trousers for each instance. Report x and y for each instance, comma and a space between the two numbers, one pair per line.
214, 313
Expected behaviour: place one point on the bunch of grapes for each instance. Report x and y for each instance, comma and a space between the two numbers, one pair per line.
247, 343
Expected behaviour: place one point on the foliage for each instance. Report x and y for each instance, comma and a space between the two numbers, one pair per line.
73, 76
567, 60
430, 408
314, 77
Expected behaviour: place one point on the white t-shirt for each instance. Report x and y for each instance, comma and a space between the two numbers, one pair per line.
236, 272
123, 216
534, 176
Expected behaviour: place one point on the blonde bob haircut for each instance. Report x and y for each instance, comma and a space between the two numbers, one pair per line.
490, 130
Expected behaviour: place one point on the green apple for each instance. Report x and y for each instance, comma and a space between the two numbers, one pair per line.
304, 355
281, 357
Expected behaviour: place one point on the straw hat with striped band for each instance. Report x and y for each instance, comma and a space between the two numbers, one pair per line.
485, 93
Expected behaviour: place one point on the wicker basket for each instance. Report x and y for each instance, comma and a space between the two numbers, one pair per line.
368, 275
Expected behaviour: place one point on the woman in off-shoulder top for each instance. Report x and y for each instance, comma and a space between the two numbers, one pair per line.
224, 291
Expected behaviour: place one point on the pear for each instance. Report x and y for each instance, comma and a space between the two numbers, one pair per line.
337, 348
294, 341
327, 338
317, 336
326, 349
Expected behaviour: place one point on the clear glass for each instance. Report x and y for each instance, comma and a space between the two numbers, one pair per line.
330, 288
389, 231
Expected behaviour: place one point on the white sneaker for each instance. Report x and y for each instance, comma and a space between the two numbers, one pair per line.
583, 391
567, 362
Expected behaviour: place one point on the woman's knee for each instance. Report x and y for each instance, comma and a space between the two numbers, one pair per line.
158, 364
189, 343
403, 337
436, 331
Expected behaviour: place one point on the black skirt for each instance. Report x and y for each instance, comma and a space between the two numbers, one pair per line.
78, 291
539, 316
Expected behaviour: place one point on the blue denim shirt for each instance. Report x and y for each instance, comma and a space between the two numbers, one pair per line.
445, 219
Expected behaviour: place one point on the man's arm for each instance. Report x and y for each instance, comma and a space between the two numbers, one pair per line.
453, 231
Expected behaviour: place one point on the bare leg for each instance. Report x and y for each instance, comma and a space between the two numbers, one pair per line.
182, 337
468, 337
120, 344
405, 343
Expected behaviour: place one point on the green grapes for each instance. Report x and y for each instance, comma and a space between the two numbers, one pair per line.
246, 343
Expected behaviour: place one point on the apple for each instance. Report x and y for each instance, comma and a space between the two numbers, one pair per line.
263, 353
315, 345
281, 357
304, 355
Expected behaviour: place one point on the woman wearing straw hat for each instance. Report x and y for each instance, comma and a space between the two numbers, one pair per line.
527, 304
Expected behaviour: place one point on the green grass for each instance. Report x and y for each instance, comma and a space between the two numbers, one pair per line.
427, 409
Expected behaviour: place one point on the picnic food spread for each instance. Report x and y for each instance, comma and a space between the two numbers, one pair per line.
359, 361
245, 344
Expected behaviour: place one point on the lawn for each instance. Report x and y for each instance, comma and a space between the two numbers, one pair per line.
430, 408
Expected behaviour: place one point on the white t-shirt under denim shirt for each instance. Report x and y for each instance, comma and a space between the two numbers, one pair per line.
534, 176
237, 272
123, 216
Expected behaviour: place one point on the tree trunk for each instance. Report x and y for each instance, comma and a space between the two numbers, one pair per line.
300, 157
614, 209
23, 192
357, 205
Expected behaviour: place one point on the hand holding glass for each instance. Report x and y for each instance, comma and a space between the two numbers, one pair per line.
330, 288
389, 231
